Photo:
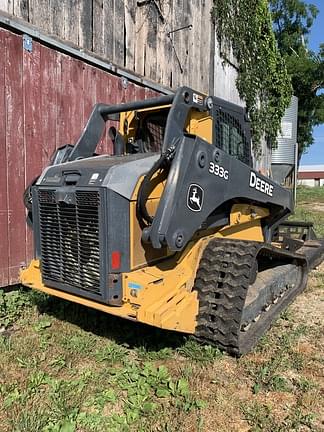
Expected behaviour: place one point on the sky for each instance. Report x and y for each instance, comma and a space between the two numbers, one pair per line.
315, 153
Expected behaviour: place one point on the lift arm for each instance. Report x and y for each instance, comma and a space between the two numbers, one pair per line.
202, 185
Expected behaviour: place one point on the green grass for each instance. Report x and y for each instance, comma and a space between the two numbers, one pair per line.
84, 381
306, 209
310, 194
65, 368
12, 305
309, 215
269, 375
260, 417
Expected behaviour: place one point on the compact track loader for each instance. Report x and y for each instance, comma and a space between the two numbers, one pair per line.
176, 229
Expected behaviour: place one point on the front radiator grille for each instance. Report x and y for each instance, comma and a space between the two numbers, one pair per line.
70, 242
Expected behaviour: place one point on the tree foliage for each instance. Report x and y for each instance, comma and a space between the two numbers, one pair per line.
245, 33
292, 20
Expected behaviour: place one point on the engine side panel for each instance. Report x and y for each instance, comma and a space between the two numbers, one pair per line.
85, 226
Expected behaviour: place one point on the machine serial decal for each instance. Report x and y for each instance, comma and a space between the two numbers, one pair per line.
218, 170
260, 185
93, 178
195, 197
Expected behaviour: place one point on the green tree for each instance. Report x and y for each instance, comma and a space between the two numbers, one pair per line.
292, 21
245, 33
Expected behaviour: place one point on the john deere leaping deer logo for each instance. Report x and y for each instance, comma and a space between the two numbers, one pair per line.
195, 197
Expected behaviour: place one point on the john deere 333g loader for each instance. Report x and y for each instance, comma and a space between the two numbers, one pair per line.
176, 229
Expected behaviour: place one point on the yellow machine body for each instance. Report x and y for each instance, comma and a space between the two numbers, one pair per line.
161, 294
195, 228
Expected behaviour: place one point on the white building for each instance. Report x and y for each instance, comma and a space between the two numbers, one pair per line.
311, 175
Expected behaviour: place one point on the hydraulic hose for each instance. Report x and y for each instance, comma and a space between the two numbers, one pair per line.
144, 191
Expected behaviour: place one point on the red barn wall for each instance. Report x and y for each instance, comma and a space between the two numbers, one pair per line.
46, 98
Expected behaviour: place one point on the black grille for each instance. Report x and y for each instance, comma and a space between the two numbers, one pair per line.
70, 242
230, 137
155, 132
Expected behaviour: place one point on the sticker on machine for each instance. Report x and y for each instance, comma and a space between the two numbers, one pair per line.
195, 197
198, 99
94, 178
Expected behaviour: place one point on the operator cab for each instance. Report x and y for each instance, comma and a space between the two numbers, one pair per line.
226, 126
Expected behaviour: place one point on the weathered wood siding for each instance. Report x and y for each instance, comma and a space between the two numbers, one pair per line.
133, 34
45, 100
225, 79
46, 96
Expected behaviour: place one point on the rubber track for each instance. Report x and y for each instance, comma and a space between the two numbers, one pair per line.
222, 282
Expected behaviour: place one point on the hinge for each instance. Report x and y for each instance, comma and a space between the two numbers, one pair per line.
27, 43
124, 81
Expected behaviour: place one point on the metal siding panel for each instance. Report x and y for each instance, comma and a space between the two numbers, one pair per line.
131, 91
140, 93
99, 98
75, 94
102, 96
285, 151
47, 99
49, 69
15, 154
60, 114
120, 91
109, 82
113, 99
89, 93
64, 103
114, 93
98, 87
4, 263
32, 124
149, 93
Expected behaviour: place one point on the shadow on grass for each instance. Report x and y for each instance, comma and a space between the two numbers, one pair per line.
128, 333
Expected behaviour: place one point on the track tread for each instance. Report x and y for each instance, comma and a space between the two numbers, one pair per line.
222, 281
